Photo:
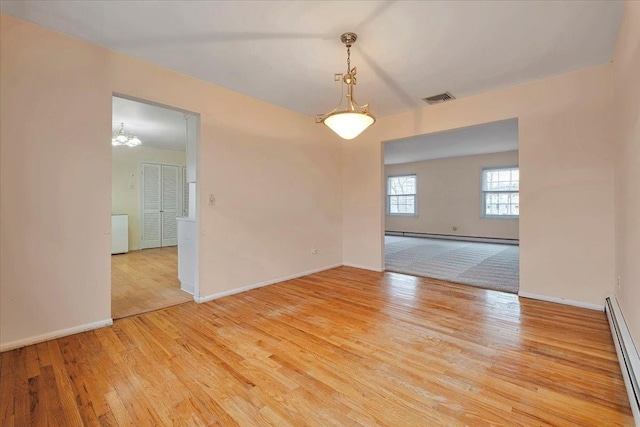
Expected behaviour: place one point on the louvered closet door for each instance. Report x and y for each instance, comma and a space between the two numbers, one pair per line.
151, 206
171, 204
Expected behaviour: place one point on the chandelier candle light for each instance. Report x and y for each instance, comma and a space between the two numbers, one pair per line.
120, 138
354, 119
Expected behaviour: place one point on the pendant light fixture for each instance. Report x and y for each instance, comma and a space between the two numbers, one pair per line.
120, 138
353, 119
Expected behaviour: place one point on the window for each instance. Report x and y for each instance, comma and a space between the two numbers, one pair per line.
401, 195
500, 192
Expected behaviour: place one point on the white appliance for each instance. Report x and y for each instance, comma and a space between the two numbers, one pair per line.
119, 234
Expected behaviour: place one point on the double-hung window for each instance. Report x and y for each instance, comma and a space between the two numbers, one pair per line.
401, 195
501, 192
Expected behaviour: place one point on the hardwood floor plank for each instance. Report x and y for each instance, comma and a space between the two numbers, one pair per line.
7, 361
43, 354
136, 402
341, 347
65, 394
89, 401
22, 414
32, 363
145, 280
184, 413
206, 403
37, 409
20, 380
117, 409
51, 398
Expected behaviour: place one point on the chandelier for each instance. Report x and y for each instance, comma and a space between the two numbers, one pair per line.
120, 138
353, 119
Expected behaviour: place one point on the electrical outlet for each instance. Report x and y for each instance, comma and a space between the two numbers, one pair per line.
619, 283
314, 251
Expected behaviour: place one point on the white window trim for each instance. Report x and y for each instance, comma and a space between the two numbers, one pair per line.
388, 197
483, 199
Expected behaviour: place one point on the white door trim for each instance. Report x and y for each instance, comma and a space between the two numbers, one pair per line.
196, 144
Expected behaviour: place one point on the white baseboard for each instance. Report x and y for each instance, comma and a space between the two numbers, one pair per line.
261, 284
499, 240
599, 307
627, 354
364, 267
55, 334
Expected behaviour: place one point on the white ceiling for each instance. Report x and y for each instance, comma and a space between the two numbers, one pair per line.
482, 139
155, 126
286, 52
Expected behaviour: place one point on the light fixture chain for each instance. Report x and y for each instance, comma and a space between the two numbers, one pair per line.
354, 119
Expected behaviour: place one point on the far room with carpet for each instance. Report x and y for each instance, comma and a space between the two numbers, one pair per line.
485, 265
453, 205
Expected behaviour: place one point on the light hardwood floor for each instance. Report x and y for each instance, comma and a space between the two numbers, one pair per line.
340, 347
146, 280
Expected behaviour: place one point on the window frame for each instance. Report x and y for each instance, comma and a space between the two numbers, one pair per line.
483, 193
415, 195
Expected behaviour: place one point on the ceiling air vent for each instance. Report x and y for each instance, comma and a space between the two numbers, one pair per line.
437, 99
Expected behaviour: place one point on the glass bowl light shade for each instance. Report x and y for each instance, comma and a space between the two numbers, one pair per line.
349, 124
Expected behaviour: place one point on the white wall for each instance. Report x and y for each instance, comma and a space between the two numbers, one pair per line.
449, 195
274, 174
566, 169
626, 79
256, 158
125, 173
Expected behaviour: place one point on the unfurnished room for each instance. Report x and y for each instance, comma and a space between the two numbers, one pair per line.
248, 213
453, 205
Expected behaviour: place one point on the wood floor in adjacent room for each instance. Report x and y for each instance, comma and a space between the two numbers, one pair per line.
145, 280
340, 347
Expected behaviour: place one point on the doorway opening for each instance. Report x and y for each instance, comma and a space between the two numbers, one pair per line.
154, 210
453, 206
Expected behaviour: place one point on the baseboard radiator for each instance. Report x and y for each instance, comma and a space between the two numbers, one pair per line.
453, 237
627, 354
